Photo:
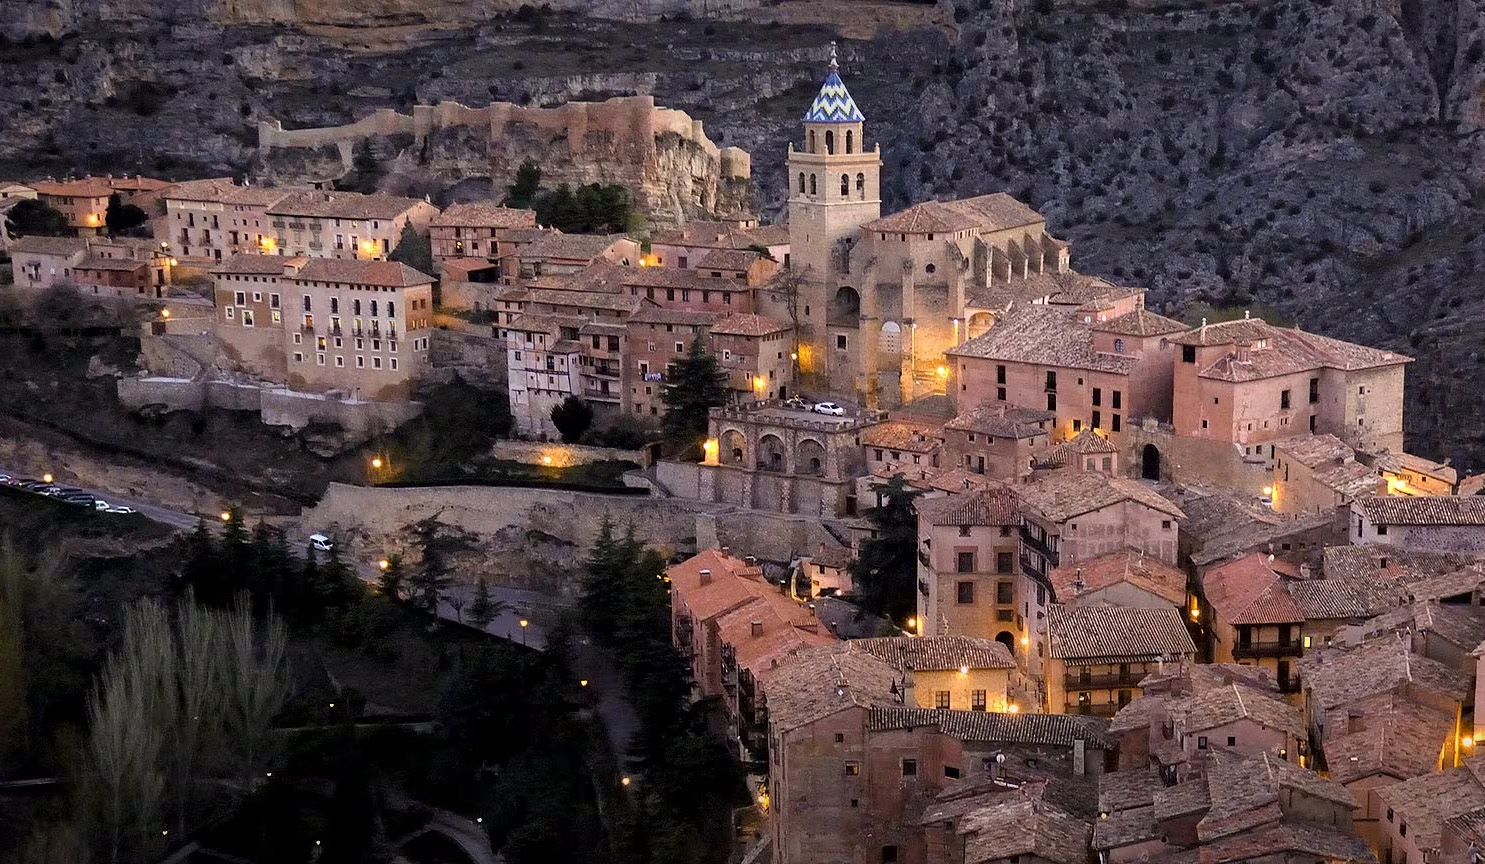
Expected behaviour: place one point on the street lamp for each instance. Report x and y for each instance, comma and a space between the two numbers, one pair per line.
226, 516
524, 624
46, 478
625, 781
376, 462
165, 313
383, 564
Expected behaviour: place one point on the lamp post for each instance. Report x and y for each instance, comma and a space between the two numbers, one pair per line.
524, 625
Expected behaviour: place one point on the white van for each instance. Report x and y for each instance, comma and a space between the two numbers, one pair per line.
320, 543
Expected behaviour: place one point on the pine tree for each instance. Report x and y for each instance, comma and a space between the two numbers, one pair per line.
391, 582
414, 249
528, 183
203, 572
696, 385
572, 417
484, 609
885, 572
431, 578
601, 590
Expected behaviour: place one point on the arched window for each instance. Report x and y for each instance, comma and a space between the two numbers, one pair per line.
391, 309
1119, 346
861, 186
813, 191
829, 142
848, 141
812, 141
845, 185
801, 182
373, 308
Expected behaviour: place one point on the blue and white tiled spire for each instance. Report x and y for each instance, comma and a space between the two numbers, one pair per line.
833, 104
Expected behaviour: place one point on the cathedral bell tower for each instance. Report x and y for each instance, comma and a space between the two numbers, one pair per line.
834, 189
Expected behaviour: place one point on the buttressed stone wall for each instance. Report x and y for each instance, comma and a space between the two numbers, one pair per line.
662, 155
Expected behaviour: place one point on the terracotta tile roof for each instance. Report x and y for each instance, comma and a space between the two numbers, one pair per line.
1125, 828
1123, 566
86, 187
1336, 676
1351, 480
530, 322
1182, 799
556, 299
1235, 702
569, 247
648, 313
901, 436
1140, 322
939, 653
1141, 712
603, 328
1468, 827
1060, 730
94, 262
1246, 792
833, 556
1002, 421
747, 324
484, 214
769, 629
223, 190
721, 235
1424, 802
1396, 736
38, 245
671, 277
956, 480
1398, 462
1289, 839
993, 506
1390, 563
1239, 590
1013, 828
390, 274
1422, 509
1461, 626
1200, 677
1089, 632
1320, 599
1315, 450
1043, 336
257, 265
995, 212
1128, 790
1062, 495
1088, 441
1068, 291
686, 576
315, 203
819, 682
1465, 580
727, 259
1287, 351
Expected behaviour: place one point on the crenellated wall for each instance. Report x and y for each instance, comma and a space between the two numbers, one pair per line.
662, 155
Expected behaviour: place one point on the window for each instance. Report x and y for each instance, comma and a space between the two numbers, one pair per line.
999, 374
910, 767
1188, 353
941, 699
1051, 401
840, 737
1000, 394
394, 364
1164, 524
951, 771
1051, 380
298, 357
247, 317
889, 855
1097, 398
319, 359
1382, 530
1314, 390
307, 303
360, 362
230, 312
840, 341
1231, 741
964, 592
1389, 814
239, 298
964, 562
977, 700
1118, 400
1118, 346
339, 362
1115, 427
1284, 401
1004, 562
298, 338
963, 530
1097, 419
853, 769
1201, 742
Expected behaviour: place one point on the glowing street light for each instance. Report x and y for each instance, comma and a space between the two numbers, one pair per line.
583, 683
524, 625
165, 313
46, 478
624, 782
383, 564
226, 516
546, 460
376, 462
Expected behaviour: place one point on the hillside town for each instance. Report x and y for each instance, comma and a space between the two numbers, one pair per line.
1043, 575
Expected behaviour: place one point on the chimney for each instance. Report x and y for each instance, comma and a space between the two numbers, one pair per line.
1203, 330
750, 560
757, 629
725, 551
706, 577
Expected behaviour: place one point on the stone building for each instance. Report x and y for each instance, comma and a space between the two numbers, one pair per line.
544, 367
124, 267
1071, 517
754, 353
1126, 577
1441, 523
997, 439
479, 232
84, 201
358, 328
1248, 382
766, 456
1096, 656
214, 219
657, 337
1319, 473
716, 243
323, 224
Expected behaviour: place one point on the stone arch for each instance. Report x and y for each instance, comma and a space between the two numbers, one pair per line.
861, 186
809, 457
1150, 462
732, 448
1008, 639
771, 453
845, 185
849, 142
801, 182
891, 338
847, 302
813, 190
829, 143
812, 147
979, 322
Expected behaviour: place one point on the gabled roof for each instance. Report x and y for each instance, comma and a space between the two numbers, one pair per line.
1043, 335
819, 682
1140, 322
257, 265
1422, 509
1122, 566
315, 203
1224, 705
833, 104
1334, 676
993, 506
1424, 802
939, 653
892, 435
1393, 735
1239, 787
35, 244
747, 324
1087, 633
389, 274
1063, 495
1020, 827
727, 259
569, 247
1247, 591
1461, 626
484, 214
1000, 420
1285, 351
994, 212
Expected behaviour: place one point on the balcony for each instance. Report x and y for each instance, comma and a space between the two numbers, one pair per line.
595, 394
277, 223
1105, 709
1108, 681
294, 226
1041, 546
1267, 649
315, 244
1030, 567
1291, 684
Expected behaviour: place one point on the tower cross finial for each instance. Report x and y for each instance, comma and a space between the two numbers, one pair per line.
834, 62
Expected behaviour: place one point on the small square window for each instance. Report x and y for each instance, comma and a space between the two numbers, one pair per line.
1231, 741
840, 737
951, 771
941, 699
910, 767
1201, 742
853, 769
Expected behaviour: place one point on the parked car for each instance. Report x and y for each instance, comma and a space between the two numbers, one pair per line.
87, 501
320, 543
5, 479
797, 404
830, 408
100, 504
119, 508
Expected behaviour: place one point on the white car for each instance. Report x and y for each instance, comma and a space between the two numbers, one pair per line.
100, 504
119, 508
320, 543
830, 408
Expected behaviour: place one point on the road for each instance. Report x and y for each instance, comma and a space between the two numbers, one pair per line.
592, 664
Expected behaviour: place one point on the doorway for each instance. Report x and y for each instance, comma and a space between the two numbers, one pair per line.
1150, 462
